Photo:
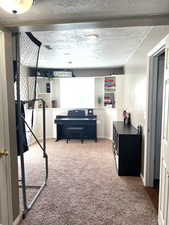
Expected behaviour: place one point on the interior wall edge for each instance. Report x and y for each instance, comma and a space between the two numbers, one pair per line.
12, 124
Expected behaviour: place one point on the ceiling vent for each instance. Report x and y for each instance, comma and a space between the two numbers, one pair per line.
62, 74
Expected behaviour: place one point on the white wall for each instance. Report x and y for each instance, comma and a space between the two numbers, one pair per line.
99, 91
105, 116
136, 81
56, 91
24, 93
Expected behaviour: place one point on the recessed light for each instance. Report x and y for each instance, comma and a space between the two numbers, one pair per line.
92, 36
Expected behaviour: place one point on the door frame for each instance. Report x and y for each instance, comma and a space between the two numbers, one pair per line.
6, 193
151, 113
10, 202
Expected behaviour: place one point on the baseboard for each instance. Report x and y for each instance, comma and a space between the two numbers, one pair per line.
18, 220
108, 138
101, 137
40, 139
142, 178
160, 219
49, 138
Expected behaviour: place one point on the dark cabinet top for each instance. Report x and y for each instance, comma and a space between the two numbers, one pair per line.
68, 118
75, 118
124, 129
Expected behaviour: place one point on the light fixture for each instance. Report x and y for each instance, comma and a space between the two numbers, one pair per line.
16, 6
92, 36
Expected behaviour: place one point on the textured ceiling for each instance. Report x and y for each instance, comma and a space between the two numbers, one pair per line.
113, 47
61, 10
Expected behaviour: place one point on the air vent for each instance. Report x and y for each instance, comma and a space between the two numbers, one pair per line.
61, 74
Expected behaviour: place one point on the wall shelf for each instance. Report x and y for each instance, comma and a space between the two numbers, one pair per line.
109, 91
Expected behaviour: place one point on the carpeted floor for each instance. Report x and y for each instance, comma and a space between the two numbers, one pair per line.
84, 188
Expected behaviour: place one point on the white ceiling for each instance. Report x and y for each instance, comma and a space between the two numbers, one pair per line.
68, 10
113, 47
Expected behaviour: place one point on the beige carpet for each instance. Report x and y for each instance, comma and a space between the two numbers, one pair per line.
84, 188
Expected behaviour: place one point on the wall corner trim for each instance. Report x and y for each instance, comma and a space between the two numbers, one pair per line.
18, 220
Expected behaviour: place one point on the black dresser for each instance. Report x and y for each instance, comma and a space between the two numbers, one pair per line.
127, 149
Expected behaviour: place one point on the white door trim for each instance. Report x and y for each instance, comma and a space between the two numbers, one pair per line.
6, 193
18, 220
150, 121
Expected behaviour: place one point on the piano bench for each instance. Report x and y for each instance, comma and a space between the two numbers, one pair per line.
72, 132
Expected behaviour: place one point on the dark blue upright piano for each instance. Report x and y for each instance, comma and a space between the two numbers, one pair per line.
76, 125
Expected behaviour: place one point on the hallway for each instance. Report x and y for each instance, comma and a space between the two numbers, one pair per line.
84, 189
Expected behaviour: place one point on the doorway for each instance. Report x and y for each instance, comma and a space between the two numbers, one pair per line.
158, 122
154, 121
